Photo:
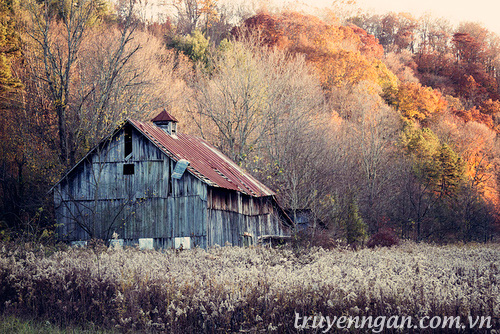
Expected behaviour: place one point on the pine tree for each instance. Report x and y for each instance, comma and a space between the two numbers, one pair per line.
355, 228
450, 169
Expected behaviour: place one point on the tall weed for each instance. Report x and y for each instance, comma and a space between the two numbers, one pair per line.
235, 289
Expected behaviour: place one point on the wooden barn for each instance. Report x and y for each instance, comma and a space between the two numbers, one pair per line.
147, 184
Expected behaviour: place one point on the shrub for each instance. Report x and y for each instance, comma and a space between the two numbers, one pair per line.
305, 239
385, 237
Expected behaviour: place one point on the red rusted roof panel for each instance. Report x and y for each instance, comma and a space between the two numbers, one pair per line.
163, 117
205, 161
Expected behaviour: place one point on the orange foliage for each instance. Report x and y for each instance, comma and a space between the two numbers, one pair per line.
477, 143
469, 48
344, 67
490, 107
268, 27
475, 115
341, 55
415, 101
370, 45
311, 36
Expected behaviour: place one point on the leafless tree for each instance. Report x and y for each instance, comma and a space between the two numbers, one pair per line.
365, 150
250, 93
96, 73
57, 35
267, 111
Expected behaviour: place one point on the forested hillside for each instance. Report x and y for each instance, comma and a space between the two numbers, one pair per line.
368, 123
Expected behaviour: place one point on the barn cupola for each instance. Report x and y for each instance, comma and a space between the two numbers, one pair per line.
167, 122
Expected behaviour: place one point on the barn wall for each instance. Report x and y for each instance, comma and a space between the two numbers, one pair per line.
231, 214
146, 204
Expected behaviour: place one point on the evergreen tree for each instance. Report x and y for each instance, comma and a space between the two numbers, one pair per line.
449, 171
355, 228
438, 178
194, 45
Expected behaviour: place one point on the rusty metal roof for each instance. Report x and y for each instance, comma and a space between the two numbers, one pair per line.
205, 161
164, 116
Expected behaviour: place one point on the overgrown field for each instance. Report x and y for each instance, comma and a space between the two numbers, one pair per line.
245, 289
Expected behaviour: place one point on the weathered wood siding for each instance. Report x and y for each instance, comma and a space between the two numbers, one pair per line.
231, 214
146, 204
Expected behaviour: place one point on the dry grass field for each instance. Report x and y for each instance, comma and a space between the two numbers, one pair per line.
229, 289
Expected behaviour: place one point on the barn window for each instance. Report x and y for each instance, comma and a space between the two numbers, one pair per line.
128, 169
169, 189
128, 140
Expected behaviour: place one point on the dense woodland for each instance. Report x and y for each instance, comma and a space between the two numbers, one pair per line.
368, 122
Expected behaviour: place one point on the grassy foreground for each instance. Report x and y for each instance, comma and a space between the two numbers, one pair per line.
234, 289
14, 325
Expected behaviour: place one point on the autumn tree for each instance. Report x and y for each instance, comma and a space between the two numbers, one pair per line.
395, 31
311, 36
56, 41
12, 161
9, 47
112, 76
458, 62
375, 134
398, 31
417, 102
402, 65
58, 33
208, 16
434, 35
363, 156
478, 194
188, 15
343, 56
